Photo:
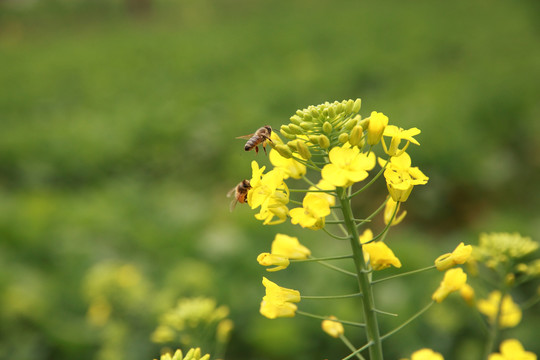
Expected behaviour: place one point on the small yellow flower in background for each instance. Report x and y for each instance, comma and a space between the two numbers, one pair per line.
510, 312
99, 311
290, 247
459, 256
192, 354
454, 280
512, 349
333, 328
401, 177
398, 134
467, 293
379, 255
532, 269
495, 248
278, 301
377, 123
426, 354
389, 211
347, 166
312, 213
223, 330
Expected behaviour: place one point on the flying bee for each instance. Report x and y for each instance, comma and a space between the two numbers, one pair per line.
240, 193
258, 138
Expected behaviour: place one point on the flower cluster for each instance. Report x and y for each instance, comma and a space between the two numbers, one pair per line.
192, 354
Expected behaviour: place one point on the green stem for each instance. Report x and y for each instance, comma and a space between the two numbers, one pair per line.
385, 336
494, 329
328, 318
326, 297
350, 346
323, 258
335, 236
330, 266
357, 351
371, 182
403, 274
375, 213
370, 316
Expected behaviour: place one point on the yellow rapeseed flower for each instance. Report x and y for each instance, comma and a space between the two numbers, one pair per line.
283, 248
495, 248
379, 255
278, 301
347, 166
324, 185
426, 354
401, 177
333, 328
377, 123
312, 213
270, 192
397, 134
290, 167
192, 354
512, 349
467, 293
389, 209
459, 256
510, 314
454, 280
290, 247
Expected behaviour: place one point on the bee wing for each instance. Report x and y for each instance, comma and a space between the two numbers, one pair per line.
231, 192
232, 205
246, 137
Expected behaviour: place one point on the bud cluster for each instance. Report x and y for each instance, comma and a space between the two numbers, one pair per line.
323, 126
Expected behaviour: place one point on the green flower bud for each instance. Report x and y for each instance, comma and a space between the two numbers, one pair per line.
343, 138
295, 119
286, 132
300, 113
364, 123
315, 113
357, 105
349, 106
314, 139
327, 127
356, 135
303, 150
284, 151
331, 112
339, 108
307, 125
308, 117
349, 124
293, 145
295, 129
324, 142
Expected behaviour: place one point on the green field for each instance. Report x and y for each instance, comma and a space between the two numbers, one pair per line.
117, 147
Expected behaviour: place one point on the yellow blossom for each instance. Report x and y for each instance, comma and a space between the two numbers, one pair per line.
453, 280
347, 166
401, 177
278, 301
459, 256
274, 208
398, 134
312, 213
426, 354
290, 247
389, 211
379, 255
270, 192
192, 354
333, 328
324, 185
377, 124
267, 259
467, 293
290, 167
512, 349
510, 314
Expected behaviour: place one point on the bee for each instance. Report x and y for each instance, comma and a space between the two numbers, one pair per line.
258, 138
240, 193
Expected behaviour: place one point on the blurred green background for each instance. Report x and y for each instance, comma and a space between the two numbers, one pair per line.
117, 147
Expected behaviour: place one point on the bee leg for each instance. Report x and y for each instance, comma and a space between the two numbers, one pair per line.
256, 149
264, 148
